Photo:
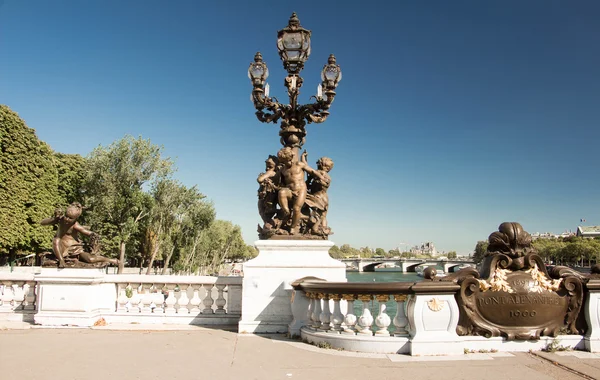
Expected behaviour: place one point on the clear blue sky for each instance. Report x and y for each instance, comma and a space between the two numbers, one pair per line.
452, 116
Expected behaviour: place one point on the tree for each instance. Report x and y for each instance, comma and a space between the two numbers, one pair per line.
220, 241
177, 215
349, 251
451, 255
197, 220
335, 252
379, 252
114, 187
28, 186
71, 174
480, 250
393, 253
366, 252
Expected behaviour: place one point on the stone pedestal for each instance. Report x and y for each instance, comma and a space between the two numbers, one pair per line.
73, 297
592, 316
267, 290
433, 316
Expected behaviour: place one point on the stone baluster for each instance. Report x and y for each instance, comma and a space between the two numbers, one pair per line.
337, 318
146, 299
33, 292
29, 295
18, 296
170, 301
122, 297
159, 299
400, 320
195, 301
309, 311
220, 302
325, 316
350, 319
316, 314
208, 300
183, 300
7, 296
366, 318
135, 300
383, 320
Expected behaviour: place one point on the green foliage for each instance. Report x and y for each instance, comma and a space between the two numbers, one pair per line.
114, 185
171, 221
451, 255
222, 240
555, 345
480, 250
380, 252
335, 252
366, 252
28, 183
177, 217
71, 173
349, 251
568, 251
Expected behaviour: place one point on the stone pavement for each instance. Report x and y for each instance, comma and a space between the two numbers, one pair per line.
118, 352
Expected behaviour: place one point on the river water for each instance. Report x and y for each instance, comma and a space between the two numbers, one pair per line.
382, 277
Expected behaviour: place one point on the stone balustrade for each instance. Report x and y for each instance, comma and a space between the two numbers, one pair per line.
82, 297
176, 299
415, 318
17, 297
352, 316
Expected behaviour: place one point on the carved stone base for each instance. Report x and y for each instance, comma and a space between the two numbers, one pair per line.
266, 290
282, 234
72, 297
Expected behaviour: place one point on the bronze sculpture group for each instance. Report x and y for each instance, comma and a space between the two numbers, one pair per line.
290, 205
67, 248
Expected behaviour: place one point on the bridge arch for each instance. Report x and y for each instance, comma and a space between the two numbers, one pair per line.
370, 267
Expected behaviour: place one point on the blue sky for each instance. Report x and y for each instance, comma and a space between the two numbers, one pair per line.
452, 116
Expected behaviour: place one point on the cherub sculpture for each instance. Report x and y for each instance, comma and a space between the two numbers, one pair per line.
293, 187
66, 244
290, 205
317, 199
267, 192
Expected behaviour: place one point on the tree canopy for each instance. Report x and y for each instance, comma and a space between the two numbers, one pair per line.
114, 185
28, 186
130, 199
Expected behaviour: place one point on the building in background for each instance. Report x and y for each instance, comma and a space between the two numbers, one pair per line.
588, 231
549, 235
427, 248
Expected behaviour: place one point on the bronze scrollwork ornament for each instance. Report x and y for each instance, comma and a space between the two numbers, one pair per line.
514, 295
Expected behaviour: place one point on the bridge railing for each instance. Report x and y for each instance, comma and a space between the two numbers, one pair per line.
349, 308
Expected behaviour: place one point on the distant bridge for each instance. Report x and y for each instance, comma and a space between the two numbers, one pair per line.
404, 265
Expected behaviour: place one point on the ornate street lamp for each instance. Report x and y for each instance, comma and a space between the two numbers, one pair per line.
293, 43
292, 206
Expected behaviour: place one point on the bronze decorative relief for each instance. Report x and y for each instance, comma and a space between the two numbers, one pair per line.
514, 296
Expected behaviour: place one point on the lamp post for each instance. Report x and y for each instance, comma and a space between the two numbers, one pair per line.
291, 206
293, 43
